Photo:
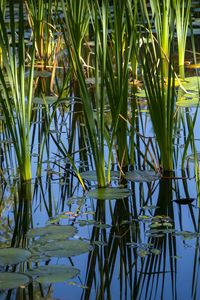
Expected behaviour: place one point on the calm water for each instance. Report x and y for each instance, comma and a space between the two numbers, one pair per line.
144, 246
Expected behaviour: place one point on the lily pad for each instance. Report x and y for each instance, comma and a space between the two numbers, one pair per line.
91, 175
65, 248
13, 256
12, 280
155, 251
187, 235
52, 232
143, 252
142, 176
42, 73
191, 83
109, 193
149, 207
141, 94
47, 100
52, 274
188, 101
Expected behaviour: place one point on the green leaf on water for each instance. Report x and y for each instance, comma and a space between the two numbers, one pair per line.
42, 73
142, 176
144, 218
52, 232
48, 100
53, 273
109, 193
187, 235
65, 248
191, 83
141, 93
102, 225
142, 252
99, 243
12, 280
91, 175
166, 224
12, 256
155, 251
149, 207
155, 225
188, 101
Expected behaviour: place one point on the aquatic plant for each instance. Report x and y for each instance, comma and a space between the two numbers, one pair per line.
182, 15
16, 89
161, 97
95, 129
164, 26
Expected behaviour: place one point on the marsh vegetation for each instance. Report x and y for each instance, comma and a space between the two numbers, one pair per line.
99, 149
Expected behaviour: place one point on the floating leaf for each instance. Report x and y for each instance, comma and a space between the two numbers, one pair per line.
86, 222
167, 224
109, 193
142, 252
132, 245
188, 101
65, 248
102, 226
155, 225
155, 251
12, 256
52, 274
47, 100
176, 257
149, 207
12, 280
155, 235
42, 73
141, 94
91, 175
52, 232
142, 176
99, 243
191, 83
187, 235
144, 218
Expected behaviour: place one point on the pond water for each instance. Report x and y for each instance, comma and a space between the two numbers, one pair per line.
142, 245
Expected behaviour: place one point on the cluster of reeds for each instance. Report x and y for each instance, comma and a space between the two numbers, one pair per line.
109, 43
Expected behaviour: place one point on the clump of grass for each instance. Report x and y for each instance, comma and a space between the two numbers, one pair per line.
161, 97
182, 16
15, 98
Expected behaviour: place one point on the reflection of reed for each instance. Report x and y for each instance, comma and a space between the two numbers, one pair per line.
145, 277
111, 255
22, 214
153, 278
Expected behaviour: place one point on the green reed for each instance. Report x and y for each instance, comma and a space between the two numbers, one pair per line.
42, 22
182, 16
164, 24
118, 72
16, 90
76, 19
160, 91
